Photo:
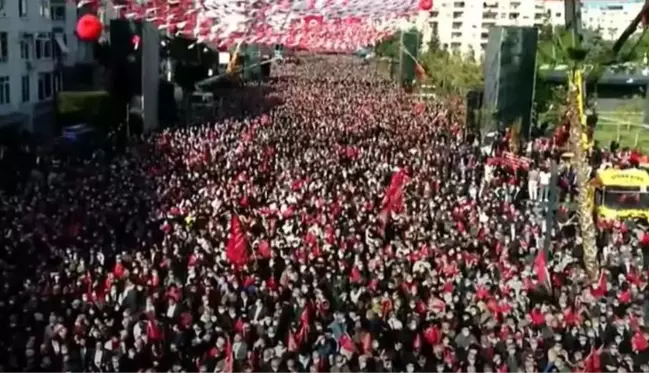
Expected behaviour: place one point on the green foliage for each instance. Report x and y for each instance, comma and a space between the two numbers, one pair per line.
388, 47
448, 72
451, 73
94, 108
555, 44
550, 102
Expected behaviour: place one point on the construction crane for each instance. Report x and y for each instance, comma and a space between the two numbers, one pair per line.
579, 132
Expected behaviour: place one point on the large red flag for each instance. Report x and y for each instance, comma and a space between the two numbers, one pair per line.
393, 198
305, 325
592, 362
153, 331
601, 287
541, 268
291, 344
228, 366
346, 345
366, 343
237, 248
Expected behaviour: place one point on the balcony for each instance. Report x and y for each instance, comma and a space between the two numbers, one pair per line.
493, 4
489, 15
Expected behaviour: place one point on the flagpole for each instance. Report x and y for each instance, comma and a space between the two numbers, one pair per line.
551, 208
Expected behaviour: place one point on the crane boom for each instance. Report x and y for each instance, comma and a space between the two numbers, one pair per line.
631, 28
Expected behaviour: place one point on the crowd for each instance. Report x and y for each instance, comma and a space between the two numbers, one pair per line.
336, 226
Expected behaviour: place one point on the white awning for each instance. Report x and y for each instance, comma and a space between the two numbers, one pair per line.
61, 43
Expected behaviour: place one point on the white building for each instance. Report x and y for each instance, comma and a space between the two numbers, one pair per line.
33, 33
610, 18
463, 25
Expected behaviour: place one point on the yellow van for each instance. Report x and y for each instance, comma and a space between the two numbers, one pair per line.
621, 194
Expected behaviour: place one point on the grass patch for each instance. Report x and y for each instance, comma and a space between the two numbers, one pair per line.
627, 128
94, 108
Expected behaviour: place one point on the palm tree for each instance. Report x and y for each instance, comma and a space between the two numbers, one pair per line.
580, 145
579, 59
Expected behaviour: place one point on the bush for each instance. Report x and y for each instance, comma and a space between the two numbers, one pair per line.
94, 108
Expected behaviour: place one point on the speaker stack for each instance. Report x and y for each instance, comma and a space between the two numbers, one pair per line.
135, 47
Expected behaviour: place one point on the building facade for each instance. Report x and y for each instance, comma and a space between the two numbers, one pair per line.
610, 18
37, 41
463, 25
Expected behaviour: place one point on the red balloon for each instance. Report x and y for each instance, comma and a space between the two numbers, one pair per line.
89, 28
425, 4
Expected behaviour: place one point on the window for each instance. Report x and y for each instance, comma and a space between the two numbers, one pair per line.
44, 86
26, 43
45, 10
25, 88
22, 8
58, 12
60, 46
47, 48
43, 46
58, 81
5, 99
4, 46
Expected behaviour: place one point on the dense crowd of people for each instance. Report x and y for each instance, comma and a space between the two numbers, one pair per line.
335, 226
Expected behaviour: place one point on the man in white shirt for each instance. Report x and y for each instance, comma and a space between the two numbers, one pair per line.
98, 357
533, 184
544, 182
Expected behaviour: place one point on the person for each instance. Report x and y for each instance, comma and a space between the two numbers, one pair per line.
544, 182
533, 178
319, 223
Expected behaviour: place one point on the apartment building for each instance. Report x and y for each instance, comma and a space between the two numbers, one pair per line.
609, 17
463, 25
36, 41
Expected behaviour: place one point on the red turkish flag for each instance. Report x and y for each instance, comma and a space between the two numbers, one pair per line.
237, 247
541, 268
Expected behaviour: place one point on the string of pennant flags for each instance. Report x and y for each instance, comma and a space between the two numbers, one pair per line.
323, 25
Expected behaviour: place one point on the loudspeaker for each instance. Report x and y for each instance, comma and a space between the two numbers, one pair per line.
510, 72
409, 51
167, 109
252, 62
265, 69
473, 105
136, 115
135, 49
126, 56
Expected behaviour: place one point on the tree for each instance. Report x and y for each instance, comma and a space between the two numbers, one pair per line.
388, 47
555, 41
550, 103
451, 73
